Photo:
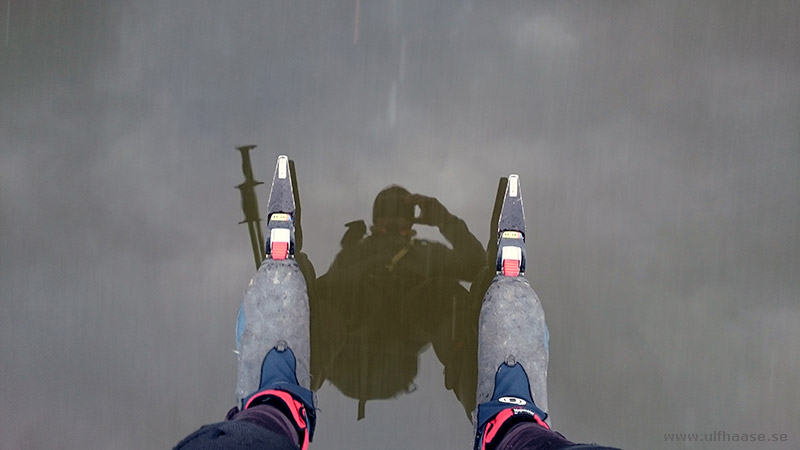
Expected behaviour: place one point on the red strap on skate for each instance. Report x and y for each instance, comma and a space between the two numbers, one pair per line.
279, 250
494, 425
296, 408
511, 267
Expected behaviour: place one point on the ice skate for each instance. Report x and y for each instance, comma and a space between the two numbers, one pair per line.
272, 330
512, 335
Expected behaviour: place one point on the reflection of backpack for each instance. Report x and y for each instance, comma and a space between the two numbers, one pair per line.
370, 294
389, 311
375, 369
356, 230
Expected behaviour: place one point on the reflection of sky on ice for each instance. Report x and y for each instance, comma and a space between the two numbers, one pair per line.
657, 147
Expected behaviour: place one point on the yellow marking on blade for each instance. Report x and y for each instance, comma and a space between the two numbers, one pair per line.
280, 217
512, 234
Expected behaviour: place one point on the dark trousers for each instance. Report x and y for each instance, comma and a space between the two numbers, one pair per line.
264, 427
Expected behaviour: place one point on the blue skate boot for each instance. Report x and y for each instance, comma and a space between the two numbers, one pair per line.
512, 336
272, 329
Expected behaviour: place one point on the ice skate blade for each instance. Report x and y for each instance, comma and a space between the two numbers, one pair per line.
511, 258
280, 213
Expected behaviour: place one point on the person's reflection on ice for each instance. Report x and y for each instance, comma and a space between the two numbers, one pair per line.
388, 295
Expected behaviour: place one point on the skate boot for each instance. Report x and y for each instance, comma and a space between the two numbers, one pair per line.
512, 336
272, 329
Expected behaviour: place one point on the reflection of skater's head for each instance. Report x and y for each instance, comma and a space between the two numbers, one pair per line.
393, 212
394, 208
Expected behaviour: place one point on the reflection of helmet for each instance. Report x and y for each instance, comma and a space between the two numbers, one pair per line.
392, 203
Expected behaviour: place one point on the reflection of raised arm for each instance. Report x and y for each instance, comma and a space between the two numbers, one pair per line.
467, 255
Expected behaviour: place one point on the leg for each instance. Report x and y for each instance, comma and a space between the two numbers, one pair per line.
273, 345
513, 348
271, 431
455, 343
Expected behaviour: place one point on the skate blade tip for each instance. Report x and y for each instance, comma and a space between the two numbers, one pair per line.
283, 167
513, 185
